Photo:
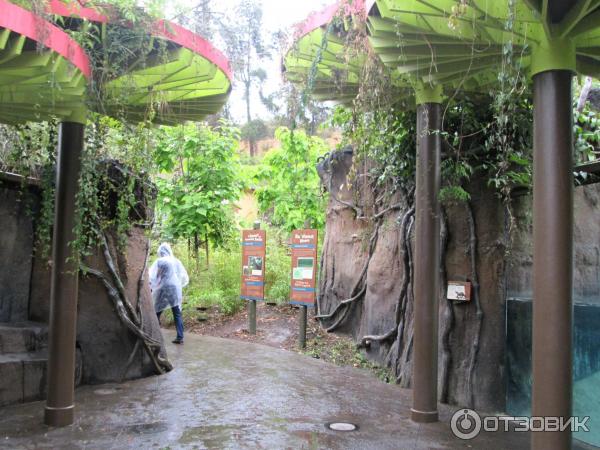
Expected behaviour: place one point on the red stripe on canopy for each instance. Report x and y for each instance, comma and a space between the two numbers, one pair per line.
26, 23
161, 29
324, 17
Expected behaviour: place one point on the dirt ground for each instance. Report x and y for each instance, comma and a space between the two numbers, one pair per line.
278, 326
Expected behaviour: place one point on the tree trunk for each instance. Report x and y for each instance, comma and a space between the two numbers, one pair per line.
207, 249
196, 248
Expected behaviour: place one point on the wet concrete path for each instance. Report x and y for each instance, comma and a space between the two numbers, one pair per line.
227, 395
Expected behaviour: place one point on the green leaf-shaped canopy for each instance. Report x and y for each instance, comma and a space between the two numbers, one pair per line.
319, 59
452, 44
43, 72
458, 42
180, 77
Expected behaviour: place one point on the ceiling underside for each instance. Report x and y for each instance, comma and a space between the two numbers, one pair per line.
45, 74
42, 73
460, 45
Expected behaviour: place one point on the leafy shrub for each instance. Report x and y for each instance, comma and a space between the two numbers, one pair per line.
278, 269
199, 181
219, 284
288, 189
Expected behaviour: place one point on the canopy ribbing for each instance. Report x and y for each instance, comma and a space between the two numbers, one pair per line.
43, 71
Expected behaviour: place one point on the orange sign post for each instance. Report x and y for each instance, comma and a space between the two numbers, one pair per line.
304, 274
254, 253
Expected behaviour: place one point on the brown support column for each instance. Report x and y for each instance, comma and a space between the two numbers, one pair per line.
63, 296
427, 254
553, 254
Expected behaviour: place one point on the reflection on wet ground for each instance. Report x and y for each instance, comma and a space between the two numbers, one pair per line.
231, 394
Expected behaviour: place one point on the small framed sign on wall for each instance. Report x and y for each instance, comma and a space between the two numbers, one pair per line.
459, 291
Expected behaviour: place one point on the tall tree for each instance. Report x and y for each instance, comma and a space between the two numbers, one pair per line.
198, 182
246, 48
200, 18
288, 185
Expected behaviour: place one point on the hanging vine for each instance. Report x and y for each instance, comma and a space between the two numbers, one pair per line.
485, 136
115, 194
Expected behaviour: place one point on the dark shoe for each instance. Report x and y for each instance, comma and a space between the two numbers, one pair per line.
178, 341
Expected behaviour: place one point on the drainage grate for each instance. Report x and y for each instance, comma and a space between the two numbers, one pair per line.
342, 426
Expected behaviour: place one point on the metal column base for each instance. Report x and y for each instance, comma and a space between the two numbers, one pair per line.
59, 417
423, 416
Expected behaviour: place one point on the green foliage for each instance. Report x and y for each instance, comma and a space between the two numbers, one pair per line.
132, 144
343, 352
509, 133
114, 188
278, 263
386, 138
246, 47
200, 181
108, 198
452, 194
216, 285
587, 135
248, 172
28, 147
220, 283
288, 183
254, 130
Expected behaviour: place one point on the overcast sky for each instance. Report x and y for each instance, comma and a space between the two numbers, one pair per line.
277, 15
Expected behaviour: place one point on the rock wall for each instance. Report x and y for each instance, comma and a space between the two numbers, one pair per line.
16, 249
469, 374
103, 342
586, 273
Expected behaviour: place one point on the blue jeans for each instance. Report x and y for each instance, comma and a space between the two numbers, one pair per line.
176, 310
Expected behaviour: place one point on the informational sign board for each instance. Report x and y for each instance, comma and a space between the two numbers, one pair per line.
459, 291
254, 252
304, 267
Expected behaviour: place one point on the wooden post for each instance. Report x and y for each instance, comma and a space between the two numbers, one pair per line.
303, 320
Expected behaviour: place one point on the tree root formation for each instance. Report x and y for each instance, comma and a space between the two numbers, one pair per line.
476, 300
405, 227
331, 191
322, 276
118, 283
358, 291
140, 287
366, 341
448, 315
129, 317
403, 312
402, 352
401, 336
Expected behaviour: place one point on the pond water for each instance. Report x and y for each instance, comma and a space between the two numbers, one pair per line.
586, 362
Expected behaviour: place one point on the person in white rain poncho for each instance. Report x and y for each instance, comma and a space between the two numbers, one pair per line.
168, 277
